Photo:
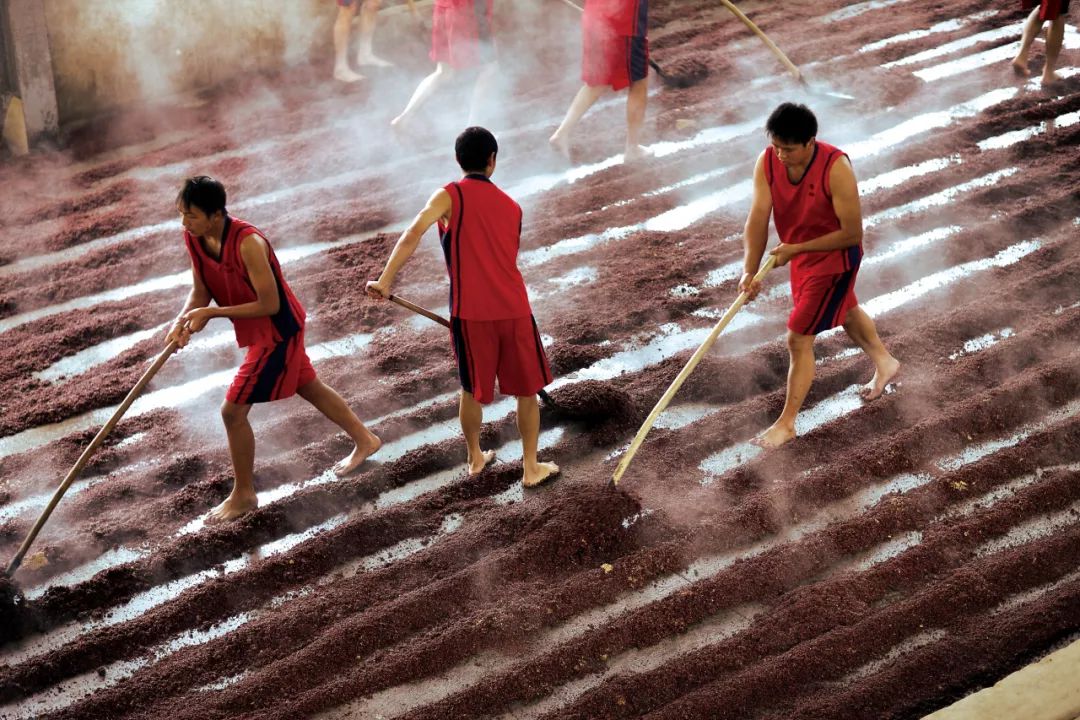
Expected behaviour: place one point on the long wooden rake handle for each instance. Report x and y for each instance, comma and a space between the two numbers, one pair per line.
419, 310
89, 451
692, 363
765, 39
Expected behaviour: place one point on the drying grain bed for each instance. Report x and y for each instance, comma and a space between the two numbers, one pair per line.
897, 556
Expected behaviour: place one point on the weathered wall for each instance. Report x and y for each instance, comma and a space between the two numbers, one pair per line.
110, 54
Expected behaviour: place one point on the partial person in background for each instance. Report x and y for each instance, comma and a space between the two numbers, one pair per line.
615, 54
233, 265
491, 322
809, 189
461, 39
369, 9
1047, 10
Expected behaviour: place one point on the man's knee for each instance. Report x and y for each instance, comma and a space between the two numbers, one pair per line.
372, 5
232, 414
798, 343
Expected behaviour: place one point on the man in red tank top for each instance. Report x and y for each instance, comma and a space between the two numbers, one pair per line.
461, 39
809, 189
492, 328
233, 265
615, 54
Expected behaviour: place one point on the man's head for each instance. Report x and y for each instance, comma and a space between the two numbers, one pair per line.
201, 202
792, 129
476, 150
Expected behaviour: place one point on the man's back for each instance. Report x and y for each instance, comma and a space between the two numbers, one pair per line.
480, 245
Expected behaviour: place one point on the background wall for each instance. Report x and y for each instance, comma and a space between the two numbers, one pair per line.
108, 55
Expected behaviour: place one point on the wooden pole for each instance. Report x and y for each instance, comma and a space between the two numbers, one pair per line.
420, 311
764, 38
89, 451
685, 373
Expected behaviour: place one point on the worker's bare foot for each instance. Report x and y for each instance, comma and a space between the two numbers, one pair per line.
539, 473
372, 60
886, 372
235, 505
560, 144
477, 465
774, 437
1050, 78
360, 453
633, 153
1020, 67
347, 75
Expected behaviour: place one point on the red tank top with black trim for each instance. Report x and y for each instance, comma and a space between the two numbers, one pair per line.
229, 284
803, 211
480, 245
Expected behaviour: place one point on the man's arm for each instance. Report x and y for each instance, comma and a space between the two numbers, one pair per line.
197, 298
438, 206
756, 230
256, 259
845, 199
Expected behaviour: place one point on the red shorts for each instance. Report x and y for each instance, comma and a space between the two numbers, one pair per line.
615, 60
271, 372
821, 301
507, 349
461, 34
1048, 9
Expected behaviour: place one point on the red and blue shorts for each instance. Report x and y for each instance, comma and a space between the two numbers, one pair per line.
821, 301
1048, 9
509, 350
271, 372
461, 34
615, 60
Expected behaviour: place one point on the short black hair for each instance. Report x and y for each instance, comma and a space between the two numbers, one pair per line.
792, 123
203, 192
473, 147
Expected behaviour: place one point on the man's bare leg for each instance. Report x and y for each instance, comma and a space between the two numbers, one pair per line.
1031, 28
586, 96
528, 422
342, 28
471, 415
482, 91
636, 101
364, 54
800, 377
330, 404
1055, 38
860, 328
242, 499
423, 91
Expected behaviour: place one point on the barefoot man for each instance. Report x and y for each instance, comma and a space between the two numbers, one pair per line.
234, 265
491, 323
461, 39
809, 189
1054, 11
615, 54
369, 10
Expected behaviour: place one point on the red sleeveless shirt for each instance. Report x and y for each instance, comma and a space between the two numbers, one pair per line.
803, 211
228, 282
480, 246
